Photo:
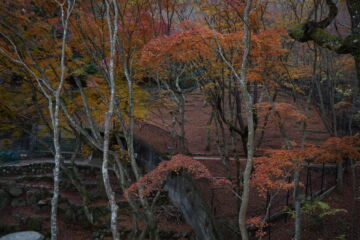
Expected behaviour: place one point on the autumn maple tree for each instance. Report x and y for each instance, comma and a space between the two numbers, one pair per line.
98, 69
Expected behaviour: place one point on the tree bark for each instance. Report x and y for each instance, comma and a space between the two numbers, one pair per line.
250, 123
55, 118
314, 31
113, 34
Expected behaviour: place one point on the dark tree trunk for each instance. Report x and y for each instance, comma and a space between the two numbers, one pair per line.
314, 31
354, 11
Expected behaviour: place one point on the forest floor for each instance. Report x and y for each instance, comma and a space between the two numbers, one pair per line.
343, 225
222, 203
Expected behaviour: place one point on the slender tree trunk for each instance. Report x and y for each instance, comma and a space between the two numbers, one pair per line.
297, 206
250, 121
242, 81
354, 10
357, 65
340, 177
208, 135
353, 203
33, 137
182, 124
56, 171
54, 113
111, 8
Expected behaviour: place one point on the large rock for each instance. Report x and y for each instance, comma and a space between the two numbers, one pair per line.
18, 202
184, 193
32, 197
15, 191
30, 235
4, 199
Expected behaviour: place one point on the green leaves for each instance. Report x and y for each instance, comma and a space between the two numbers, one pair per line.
316, 209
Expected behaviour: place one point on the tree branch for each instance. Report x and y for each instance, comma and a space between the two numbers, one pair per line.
314, 31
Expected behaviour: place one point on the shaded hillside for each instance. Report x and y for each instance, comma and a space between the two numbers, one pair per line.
198, 129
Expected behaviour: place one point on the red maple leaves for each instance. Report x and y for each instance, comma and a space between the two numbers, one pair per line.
154, 180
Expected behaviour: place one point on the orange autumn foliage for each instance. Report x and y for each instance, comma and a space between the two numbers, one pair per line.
282, 113
259, 224
197, 45
154, 180
340, 149
272, 171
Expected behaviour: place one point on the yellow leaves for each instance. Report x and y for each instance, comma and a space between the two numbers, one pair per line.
294, 87
16, 133
86, 150
97, 97
6, 143
299, 72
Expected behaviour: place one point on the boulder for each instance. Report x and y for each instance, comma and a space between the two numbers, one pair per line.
15, 191
32, 197
63, 207
69, 214
4, 199
34, 223
18, 202
29, 235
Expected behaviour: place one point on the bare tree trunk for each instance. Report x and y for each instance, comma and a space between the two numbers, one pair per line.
208, 132
56, 172
182, 125
55, 117
353, 202
297, 205
111, 9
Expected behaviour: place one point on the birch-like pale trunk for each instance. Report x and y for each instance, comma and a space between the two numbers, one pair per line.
55, 118
51, 94
112, 22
